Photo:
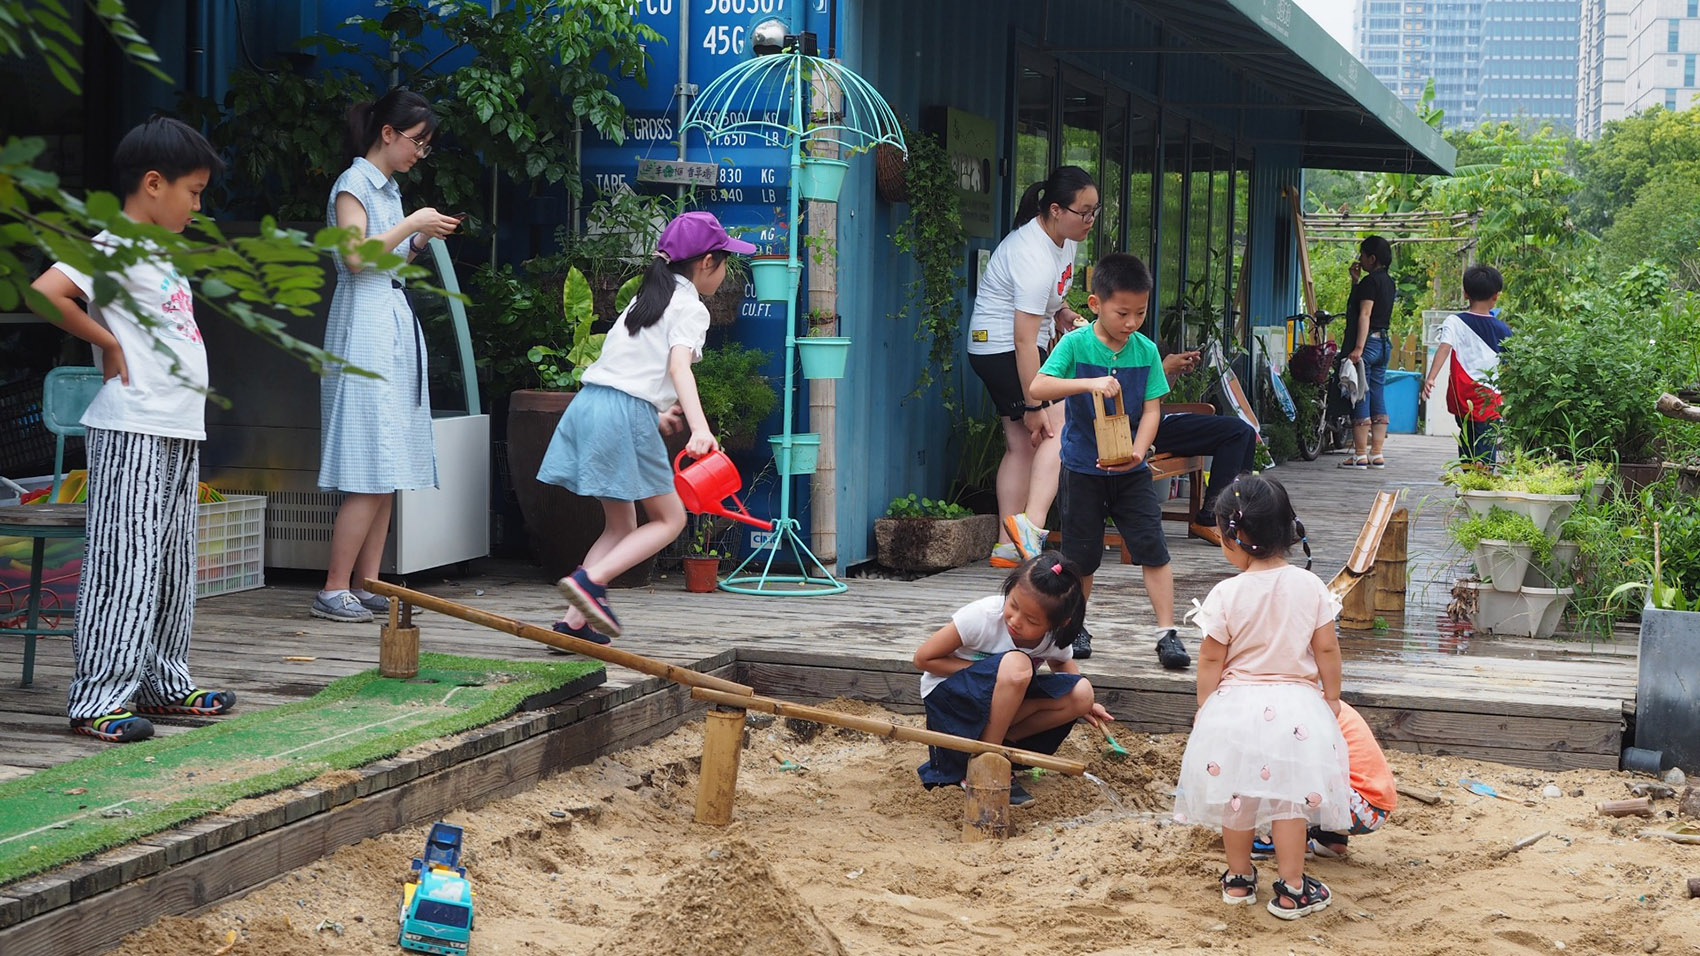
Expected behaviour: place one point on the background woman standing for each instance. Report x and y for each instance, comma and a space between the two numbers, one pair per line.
1369, 316
375, 433
1020, 297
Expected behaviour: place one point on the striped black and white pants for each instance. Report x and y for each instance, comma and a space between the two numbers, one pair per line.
136, 602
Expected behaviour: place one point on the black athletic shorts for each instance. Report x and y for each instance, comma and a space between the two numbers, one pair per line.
1003, 382
1129, 499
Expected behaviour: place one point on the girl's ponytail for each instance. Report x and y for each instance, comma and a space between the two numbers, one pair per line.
656, 291
400, 109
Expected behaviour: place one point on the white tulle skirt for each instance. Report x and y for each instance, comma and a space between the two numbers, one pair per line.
1264, 752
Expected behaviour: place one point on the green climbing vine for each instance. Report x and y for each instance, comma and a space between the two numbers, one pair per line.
932, 233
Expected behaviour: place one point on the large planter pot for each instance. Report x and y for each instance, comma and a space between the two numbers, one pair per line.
1667, 704
824, 356
560, 525
820, 180
702, 574
1635, 475
1528, 612
1503, 563
1546, 511
805, 453
934, 544
772, 279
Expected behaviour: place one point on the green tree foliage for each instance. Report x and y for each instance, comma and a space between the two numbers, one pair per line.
258, 281
523, 78
932, 233
1662, 225
1629, 154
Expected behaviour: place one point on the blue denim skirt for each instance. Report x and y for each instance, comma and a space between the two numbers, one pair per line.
959, 706
608, 445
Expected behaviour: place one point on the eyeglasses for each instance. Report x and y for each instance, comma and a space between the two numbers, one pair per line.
1089, 214
423, 146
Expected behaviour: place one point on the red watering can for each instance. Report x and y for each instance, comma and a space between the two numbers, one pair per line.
707, 483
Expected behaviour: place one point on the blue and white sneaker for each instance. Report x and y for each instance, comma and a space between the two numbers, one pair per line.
340, 606
376, 603
1263, 849
591, 599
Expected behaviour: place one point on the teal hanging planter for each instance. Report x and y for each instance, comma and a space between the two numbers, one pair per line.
824, 357
772, 279
821, 179
805, 452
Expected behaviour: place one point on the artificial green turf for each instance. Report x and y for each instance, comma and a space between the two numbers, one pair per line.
167, 780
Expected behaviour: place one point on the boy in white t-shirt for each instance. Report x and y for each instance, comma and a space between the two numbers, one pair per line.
144, 428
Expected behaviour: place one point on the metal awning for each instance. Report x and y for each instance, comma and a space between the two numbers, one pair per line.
1351, 120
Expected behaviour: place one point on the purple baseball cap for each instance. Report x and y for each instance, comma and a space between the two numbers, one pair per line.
694, 233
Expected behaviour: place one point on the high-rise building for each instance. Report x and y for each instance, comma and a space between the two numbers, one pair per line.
1635, 54
1490, 60
1602, 64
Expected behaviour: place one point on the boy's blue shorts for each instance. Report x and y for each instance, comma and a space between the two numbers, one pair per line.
1129, 499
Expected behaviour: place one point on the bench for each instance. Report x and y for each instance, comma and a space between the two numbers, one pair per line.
1164, 467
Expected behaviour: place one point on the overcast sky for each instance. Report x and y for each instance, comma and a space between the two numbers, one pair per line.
1335, 16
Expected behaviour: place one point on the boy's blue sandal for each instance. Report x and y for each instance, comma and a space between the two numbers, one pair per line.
1314, 895
1237, 881
118, 727
200, 703
591, 599
584, 633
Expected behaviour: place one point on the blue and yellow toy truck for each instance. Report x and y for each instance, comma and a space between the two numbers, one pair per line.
436, 902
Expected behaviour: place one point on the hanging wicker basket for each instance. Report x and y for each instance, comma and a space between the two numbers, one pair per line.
891, 173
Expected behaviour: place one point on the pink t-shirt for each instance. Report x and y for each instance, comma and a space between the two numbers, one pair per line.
1266, 619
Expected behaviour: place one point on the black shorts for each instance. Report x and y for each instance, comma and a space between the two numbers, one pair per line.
1003, 382
1130, 500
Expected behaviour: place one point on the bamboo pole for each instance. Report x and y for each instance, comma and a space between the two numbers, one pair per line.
531, 632
985, 814
1633, 807
885, 728
1387, 577
717, 785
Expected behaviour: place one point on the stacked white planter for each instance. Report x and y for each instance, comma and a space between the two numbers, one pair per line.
1520, 597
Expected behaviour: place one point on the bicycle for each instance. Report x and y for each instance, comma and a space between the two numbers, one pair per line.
1325, 424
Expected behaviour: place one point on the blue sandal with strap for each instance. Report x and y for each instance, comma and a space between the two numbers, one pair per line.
118, 727
198, 703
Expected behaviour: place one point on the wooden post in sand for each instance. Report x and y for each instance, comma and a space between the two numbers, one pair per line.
398, 643
722, 742
985, 813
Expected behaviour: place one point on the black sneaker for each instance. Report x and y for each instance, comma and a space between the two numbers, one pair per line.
1018, 795
1082, 645
1170, 653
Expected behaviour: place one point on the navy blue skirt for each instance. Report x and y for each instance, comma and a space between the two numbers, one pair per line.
959, 706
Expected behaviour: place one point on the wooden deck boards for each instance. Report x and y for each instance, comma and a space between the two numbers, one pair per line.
1424, 688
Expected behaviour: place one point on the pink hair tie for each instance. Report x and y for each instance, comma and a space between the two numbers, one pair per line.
1056, 568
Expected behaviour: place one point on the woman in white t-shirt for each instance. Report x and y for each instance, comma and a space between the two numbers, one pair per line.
1019, 303
607, 445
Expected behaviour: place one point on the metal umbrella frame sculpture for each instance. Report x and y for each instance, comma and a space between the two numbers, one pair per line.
752, 98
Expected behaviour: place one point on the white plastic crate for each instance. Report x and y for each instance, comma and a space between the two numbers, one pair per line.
230, 544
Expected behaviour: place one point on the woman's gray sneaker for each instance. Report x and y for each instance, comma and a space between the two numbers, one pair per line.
340, 606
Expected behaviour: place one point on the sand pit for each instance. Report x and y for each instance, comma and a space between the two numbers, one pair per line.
848, 855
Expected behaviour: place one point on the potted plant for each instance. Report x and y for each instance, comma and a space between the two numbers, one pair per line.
702, 557
921, 534
736, 395
770, 269
1666, 718
823, 353
820, 179
1516, 557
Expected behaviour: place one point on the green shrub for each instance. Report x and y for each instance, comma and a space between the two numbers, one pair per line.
1502, 525
735, 393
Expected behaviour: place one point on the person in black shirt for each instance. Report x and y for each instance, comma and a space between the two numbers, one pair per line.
1369, 315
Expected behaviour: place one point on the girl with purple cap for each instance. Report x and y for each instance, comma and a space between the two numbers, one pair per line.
607, 445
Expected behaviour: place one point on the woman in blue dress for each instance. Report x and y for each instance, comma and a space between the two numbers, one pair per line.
375, 433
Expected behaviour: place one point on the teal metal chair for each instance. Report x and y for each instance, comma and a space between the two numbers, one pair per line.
65, 395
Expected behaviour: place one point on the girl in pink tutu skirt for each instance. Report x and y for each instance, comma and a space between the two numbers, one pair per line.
1265, 752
